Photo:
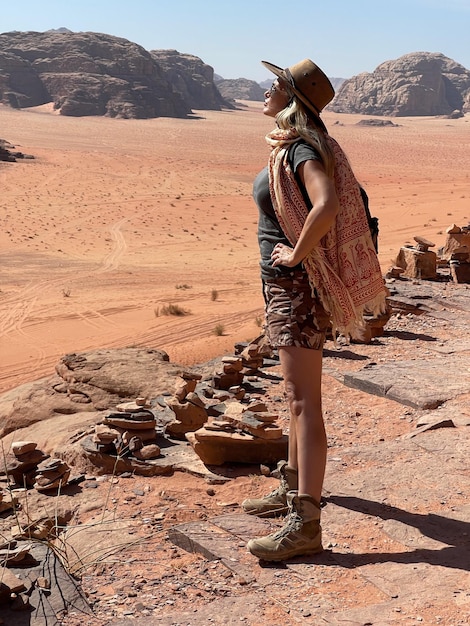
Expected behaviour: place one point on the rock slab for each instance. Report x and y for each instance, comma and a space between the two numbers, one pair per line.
421, 384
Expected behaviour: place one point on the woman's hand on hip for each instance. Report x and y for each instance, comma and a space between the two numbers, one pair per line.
283, 255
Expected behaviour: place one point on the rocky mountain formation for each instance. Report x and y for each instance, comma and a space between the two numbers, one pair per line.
192, 78
420, 83
98, 74
240, 89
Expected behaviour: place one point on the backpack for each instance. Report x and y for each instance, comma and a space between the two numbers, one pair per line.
373, 221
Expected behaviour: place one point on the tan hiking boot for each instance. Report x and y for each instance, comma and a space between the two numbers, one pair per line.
301, 533
274, 503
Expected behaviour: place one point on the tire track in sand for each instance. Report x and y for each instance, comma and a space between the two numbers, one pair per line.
112, 260
17, 309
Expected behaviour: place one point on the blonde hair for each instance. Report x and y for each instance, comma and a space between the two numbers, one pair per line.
296, 116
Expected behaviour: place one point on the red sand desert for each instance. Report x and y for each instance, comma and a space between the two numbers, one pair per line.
114, 220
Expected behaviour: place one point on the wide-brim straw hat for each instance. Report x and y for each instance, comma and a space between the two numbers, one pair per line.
308, 82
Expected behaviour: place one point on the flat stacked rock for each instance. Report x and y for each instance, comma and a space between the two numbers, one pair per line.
253, 355
190, 414
22, 462
457, 237
129, 431
52, 475
229, 374
460, 265
244, 433
418, 261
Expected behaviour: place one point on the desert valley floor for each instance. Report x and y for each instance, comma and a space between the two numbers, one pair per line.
114, 220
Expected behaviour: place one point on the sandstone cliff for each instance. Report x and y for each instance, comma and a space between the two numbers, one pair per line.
98, 74
191, 78
420, 83
241, 89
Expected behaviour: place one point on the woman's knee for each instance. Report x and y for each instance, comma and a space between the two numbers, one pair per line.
302, 401
294, 398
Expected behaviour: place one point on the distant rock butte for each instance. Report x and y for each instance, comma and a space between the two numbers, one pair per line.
241, 89
97, 74
420, 83
191, 78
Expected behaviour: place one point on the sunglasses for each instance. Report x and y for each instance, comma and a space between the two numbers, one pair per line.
275, 88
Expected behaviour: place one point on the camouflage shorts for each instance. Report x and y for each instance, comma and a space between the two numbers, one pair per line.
294, 316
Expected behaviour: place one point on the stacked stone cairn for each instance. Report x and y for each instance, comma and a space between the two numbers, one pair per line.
456, 252
217, 406
26, 466
187, 405
239, 428
52, 475
419, 262
131, 430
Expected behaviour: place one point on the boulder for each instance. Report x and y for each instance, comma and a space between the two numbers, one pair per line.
105, 378
416, 263
419, 83
455, 240
219, 447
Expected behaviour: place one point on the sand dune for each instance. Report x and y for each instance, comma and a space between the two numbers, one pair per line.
116, 219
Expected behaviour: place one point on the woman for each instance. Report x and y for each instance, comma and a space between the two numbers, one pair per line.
319, 269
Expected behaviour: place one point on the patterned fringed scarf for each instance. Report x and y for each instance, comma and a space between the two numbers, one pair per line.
343, 268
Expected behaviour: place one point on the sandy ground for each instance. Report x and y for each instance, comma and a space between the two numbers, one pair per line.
114, 220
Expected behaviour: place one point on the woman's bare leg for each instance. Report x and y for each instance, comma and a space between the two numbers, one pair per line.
302, 371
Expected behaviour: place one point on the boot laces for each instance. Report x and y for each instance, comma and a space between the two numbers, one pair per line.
292, 523
280, 490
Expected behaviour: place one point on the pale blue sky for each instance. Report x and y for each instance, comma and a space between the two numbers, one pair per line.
344, 37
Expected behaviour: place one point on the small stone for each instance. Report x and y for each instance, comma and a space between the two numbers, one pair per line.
257, 406
43, 583
22, 447
135, 444
130, 593
423, 243
49, 465
147, 452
